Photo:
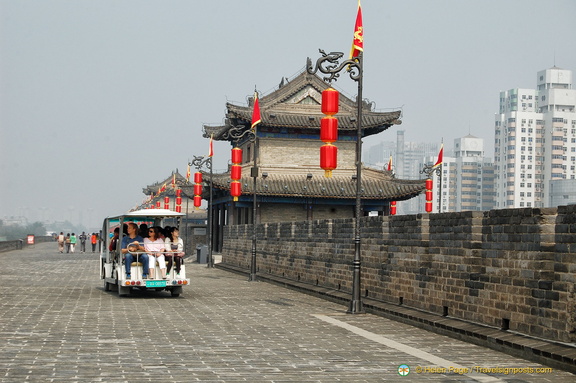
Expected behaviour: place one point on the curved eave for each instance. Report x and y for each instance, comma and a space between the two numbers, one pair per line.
335, 187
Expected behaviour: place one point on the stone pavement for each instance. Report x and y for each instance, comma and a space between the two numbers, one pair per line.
57, 324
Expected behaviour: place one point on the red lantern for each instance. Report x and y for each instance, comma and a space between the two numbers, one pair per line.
157, 204
197, 178
179, 200
236, 172
236, 156
330, 98
393, 208
428, 205
328, 158
329, 129
235, 190
178, 192
198, 189
178, 209
197, 201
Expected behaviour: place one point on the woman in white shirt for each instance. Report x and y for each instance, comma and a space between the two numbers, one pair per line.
175, 249
155, 248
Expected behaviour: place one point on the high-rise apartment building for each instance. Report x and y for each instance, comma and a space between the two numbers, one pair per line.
535, 140
467, 181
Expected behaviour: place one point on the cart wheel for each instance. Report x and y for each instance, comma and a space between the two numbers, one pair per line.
176, 291
123, 291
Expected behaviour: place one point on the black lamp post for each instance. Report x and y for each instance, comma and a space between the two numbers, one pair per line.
198, 162
330, 66
237, 133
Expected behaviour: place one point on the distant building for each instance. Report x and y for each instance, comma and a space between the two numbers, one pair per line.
408, 160
535, 141
467, 176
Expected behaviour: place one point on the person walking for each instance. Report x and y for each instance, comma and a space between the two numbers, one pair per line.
72, 242
94, 240
82, 239
67, 242
61, 240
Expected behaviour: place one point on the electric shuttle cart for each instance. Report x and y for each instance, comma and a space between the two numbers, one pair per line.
112, 268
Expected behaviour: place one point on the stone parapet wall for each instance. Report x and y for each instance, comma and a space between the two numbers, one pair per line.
513, 269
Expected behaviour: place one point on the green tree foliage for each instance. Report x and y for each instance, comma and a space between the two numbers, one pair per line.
13, 232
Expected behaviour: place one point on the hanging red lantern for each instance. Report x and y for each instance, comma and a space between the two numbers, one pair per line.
197, 178
197, 201
197, 189
328, 158
330, 99
329, 129
178, 192
236, 156
236, 172
166, 203
428, 205
178, 201
158, 204
235, 190
393, 208
178, 209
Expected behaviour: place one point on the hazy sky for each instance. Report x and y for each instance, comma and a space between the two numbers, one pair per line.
100, 98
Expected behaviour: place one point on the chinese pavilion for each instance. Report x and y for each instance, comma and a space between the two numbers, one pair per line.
289, 183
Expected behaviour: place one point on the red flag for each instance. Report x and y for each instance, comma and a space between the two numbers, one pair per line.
163, 188
440, 157
358, 41
255, 112
390, 164
211, 146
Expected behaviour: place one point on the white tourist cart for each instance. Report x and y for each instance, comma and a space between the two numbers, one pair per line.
112, 268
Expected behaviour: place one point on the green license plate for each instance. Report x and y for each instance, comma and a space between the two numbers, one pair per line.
155, 283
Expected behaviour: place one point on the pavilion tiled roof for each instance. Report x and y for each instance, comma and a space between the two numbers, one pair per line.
296, 105
279, 185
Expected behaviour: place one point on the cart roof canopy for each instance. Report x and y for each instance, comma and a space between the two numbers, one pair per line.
145, 215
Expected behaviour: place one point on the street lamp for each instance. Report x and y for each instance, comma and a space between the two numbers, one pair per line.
236, 133
429, 170
199, 162
330, 66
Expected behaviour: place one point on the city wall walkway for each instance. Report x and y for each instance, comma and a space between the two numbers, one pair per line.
58, 324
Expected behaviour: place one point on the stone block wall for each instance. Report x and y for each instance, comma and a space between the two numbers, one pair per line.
513, 269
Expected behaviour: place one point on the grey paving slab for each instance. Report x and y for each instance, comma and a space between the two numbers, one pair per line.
57, 324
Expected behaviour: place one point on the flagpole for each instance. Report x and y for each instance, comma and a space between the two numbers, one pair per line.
356, 302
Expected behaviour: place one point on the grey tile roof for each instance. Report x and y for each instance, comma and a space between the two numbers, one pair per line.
280, 109
321, 187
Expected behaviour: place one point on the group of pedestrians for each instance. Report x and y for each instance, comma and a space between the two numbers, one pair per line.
69, 242
153, 244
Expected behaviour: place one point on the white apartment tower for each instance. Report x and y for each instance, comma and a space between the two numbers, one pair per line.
535, 140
